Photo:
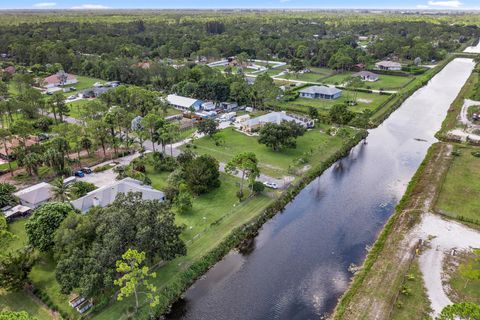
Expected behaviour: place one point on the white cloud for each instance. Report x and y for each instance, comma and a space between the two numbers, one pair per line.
45, 5
89, 7
447, 4
422, 6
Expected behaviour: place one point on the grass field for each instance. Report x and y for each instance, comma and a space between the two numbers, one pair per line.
464, 289
316, 75
20, 300
83, 83
459, 196
365, 101
385, 82
412, 302
314, 145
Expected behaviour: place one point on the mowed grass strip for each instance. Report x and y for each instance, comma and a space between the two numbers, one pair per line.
459, 196
365, 101
314, 145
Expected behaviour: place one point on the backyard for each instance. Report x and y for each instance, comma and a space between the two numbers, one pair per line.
314, 145
385, 82
458, 197
365, 101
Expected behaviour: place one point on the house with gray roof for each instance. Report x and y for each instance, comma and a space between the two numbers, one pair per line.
105, 196
388, 65
320, 92
273, 117
35, 195
366, 76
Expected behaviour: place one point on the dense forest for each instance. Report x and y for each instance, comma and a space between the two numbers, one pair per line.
111, 46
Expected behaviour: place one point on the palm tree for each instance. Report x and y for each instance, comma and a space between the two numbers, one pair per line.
60, 190
5, 137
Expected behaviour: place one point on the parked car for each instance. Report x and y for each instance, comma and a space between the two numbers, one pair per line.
86, 170
72, 98
272, 185
79, 173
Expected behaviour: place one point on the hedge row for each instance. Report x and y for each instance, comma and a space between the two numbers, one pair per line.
175, 289
42, 296
380, 243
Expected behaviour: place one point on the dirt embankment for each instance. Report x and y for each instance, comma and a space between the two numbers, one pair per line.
374, 294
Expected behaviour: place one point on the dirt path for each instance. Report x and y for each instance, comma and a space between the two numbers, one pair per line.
445, 235
376, 296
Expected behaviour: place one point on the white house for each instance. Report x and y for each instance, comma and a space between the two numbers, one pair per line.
59, 79
388, 65
321, 92
105, 196
184, 103
35, 195
366, 76
273, 117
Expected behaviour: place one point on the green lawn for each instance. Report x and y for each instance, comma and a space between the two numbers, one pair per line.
316, 75
42, 274
365, 101
314, 145
385, 82
212, 218
413, 302
22, 301
459, 195
338, 79
463, 289
4, 166
83, 83
76, 106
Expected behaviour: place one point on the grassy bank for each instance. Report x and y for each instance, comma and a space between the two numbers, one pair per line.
367, 289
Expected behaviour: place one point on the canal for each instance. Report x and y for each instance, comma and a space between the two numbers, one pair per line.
297, 266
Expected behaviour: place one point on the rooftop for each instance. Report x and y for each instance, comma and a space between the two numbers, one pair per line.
272, 117
321, 90
36, 193
184, 102
105, 196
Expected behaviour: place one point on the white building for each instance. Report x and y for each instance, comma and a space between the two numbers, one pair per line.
35, 195
272, 117
388, 65
184, 103
105, 196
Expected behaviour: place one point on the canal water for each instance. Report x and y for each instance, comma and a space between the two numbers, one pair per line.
297, 267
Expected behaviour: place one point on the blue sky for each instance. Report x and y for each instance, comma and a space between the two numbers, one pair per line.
117, 4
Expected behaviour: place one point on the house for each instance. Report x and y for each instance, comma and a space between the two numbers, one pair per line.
35, 195
388, 65
208, 106
59, 79
228, 106
93, 92
320, 92
184, 103
105, 196
272, 117
366, 76
16, 212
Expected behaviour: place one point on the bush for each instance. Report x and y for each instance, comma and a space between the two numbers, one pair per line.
102, 168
